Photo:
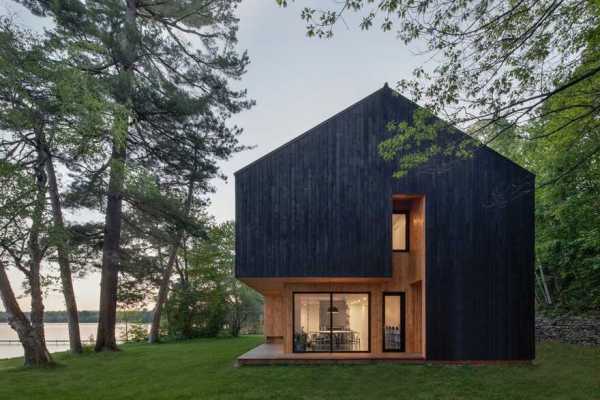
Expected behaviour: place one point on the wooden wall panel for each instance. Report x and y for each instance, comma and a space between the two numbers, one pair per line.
273, 311
415, 317
320, 206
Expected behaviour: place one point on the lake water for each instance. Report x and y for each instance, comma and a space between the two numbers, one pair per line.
54, 331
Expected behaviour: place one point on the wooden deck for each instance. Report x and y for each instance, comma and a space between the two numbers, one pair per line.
269, 354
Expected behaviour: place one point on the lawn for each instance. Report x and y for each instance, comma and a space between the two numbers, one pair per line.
203, 369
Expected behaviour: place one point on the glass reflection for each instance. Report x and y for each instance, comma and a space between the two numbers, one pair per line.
325, 322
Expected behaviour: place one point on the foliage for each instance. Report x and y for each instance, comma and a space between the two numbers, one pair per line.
203, 369
174, 64
567, 199
244, 309
195, 312
154, 84
135, 332
420, 141
206, 298
33, 114
494, 60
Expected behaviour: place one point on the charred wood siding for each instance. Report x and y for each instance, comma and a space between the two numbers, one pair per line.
321, 206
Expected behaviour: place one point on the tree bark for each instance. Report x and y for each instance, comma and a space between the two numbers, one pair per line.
36, 353
62, 248
163, 292
106, 338
31, 332
36, 253
545, 287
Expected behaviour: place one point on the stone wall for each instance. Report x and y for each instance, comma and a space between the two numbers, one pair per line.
568, 329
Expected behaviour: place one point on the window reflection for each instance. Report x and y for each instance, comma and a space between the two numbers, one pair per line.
311, 322
393, 327
350, 324
400, 231
325, 322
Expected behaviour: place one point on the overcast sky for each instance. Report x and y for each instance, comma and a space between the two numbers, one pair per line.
296, 81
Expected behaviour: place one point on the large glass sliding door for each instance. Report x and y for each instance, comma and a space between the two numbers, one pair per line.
331, 322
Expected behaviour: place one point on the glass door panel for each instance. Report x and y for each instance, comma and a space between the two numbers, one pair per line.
393, 322
312, 322
350, 322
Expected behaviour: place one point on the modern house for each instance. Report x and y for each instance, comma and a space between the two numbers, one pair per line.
356, 265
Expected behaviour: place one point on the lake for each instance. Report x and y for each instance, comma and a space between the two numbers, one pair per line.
54, 331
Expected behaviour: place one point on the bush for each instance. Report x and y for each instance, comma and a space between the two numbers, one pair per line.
135, 332
195, 313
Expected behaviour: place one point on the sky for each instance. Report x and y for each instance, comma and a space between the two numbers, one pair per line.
296, 81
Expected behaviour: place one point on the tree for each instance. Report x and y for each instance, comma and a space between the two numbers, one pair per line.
46, 105
23, 244
244, 307
208, 296
567, 217
165, 281
217, 253
567, 210
29, 113
164, 89
497, 61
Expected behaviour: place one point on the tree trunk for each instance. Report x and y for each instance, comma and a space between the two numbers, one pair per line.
36, 353
106, 338
163, 292
36, 253
63, 259
545, 287
31, 333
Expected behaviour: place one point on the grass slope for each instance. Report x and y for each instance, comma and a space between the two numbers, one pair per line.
203, 369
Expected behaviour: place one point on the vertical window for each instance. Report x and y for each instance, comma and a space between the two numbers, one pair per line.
331, 322
350, 322
393, 322
400, 231
312, 322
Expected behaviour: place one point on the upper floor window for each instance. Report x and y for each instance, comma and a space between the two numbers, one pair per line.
400, 231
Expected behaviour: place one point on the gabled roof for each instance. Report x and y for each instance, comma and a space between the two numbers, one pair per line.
383, 90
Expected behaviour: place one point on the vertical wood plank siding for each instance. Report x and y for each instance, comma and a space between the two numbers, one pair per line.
321, 206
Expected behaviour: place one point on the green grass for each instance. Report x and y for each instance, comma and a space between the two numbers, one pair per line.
203, 369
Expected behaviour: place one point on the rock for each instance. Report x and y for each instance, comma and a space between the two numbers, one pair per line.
568, 329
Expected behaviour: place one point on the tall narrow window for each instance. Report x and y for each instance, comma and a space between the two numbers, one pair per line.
400, 231
393, 322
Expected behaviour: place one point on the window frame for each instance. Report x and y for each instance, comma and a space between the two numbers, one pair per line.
406, 213
331, 322
402, 296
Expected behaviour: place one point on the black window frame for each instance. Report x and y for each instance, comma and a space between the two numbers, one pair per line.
406, 231
402, 296
331, 322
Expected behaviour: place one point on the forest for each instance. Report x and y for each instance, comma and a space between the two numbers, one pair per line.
123, 108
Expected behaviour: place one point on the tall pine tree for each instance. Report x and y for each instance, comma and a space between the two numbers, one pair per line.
166, 67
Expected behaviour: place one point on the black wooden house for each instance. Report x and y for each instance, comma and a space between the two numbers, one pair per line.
356, 264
